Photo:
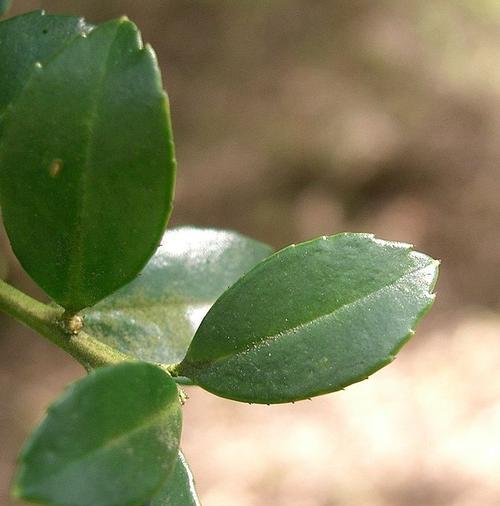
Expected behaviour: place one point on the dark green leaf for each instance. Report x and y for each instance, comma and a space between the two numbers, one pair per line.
87, 166
179, 490
311, 319
154, 317
111, 440
28, 39
4, 6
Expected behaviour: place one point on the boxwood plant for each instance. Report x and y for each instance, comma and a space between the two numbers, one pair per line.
87, 172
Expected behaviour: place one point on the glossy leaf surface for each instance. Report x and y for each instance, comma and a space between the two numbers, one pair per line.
311, 319
111, 440
87, 165
179, 490
155, 316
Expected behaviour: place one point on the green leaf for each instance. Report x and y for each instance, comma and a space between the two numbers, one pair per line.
28, 39
87, 166
111, 440
179, 490
311, 319
4, 6
155, 317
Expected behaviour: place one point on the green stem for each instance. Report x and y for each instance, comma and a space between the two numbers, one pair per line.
56, 325
50, 323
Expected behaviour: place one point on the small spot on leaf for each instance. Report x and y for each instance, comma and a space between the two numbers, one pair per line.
55, 167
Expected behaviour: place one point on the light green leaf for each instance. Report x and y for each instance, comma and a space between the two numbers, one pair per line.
311, 319
87, 165
179, 490
111, 440
154, 317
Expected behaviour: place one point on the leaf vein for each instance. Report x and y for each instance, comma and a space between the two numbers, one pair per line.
265, 339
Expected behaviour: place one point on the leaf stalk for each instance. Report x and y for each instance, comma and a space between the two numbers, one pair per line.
52, 323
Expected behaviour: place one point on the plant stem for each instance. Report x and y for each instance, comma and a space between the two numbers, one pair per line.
50, 323
56, 325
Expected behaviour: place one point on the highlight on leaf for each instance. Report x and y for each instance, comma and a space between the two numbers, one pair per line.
155, 317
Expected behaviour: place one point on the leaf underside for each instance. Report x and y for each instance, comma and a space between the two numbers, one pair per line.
111, 440
155, 316
311, 319
86, 154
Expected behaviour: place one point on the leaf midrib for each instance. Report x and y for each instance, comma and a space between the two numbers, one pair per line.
145, 424
75, 268
264, 339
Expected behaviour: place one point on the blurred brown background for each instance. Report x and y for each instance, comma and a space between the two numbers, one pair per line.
299, 118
